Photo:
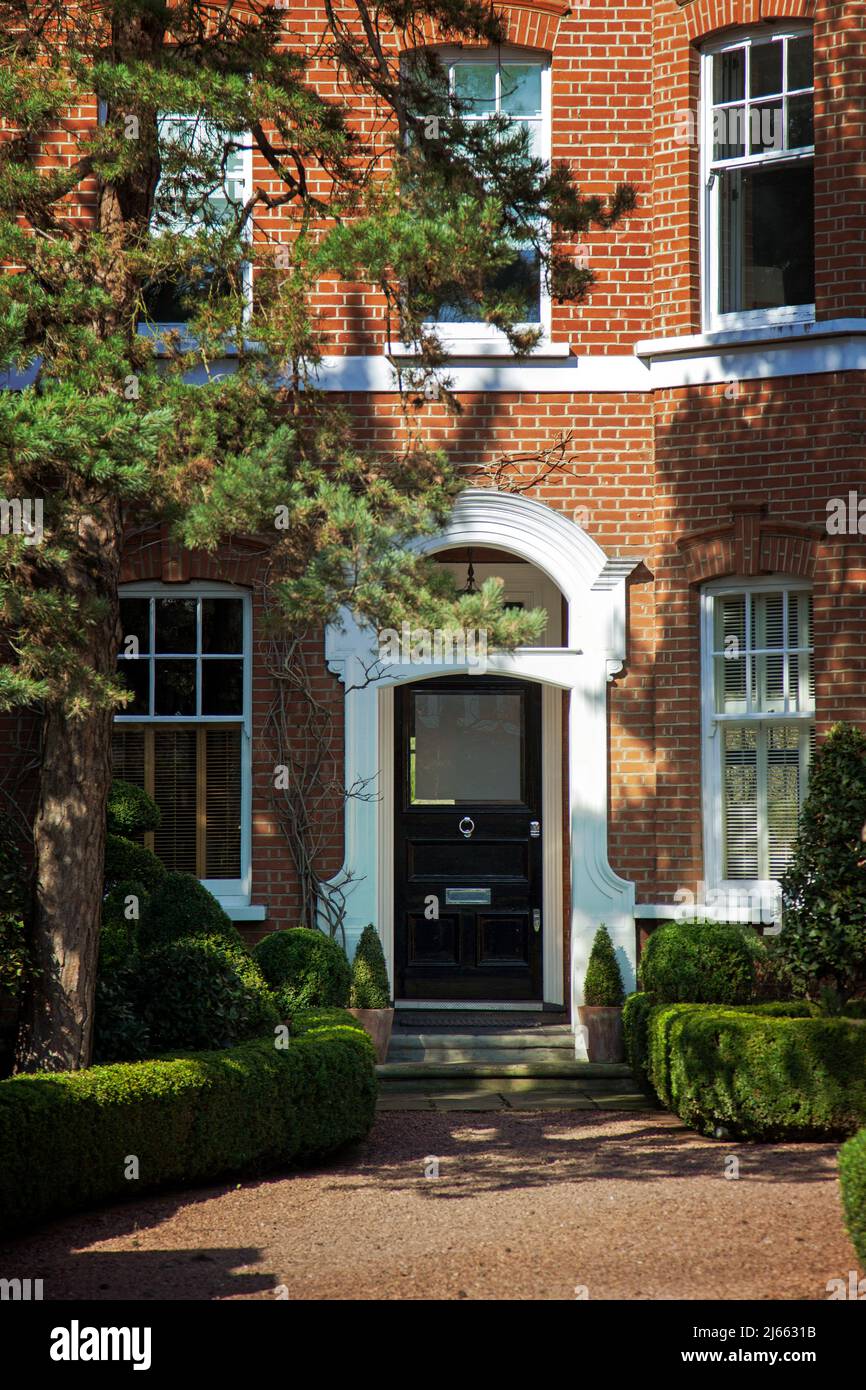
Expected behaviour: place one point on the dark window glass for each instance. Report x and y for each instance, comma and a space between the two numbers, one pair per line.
766, 238
800, 72
765, 70
729, 76
135, 622
175, 688
222, 625
222, 687
135, 675
175, 625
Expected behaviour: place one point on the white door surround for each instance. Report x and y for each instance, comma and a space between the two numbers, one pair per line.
594, 589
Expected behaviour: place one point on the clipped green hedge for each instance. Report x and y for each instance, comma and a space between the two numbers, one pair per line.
762, 1071
852, 1175
305, 969
66, 1139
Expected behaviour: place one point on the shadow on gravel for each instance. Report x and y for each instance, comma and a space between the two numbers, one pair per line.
497, 1152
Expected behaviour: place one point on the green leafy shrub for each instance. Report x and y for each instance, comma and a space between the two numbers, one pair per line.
64, 1138
823, 938
603, 984
118, 937
757, 1072
119, 1035
699, 962
852, 1175
180, 906
130, 810
305, 969
635, 1020
126, 861
369, 986
201, 992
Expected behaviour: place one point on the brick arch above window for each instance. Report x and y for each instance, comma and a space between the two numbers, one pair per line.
528, 24
751, 543
704, 17
153, 555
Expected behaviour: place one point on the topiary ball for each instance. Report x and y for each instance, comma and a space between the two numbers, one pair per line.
699, 962
130, 810
180, 906
201, 992
125, 861
305, 968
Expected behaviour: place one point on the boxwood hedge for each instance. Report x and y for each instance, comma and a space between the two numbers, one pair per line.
852, 1173
67, 1139
762, 1071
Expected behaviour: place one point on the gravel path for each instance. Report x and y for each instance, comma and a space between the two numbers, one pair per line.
529, 1206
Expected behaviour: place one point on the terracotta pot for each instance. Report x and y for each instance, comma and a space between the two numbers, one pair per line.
604, 1032
377, 1024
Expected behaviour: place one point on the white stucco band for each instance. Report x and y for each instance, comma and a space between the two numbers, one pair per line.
594, 588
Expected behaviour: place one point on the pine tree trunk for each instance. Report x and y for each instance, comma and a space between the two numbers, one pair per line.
69, 831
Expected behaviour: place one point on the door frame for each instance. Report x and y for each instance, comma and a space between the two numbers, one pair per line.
552, 899
592, 653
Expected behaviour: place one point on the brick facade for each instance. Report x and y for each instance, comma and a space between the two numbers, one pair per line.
726, 472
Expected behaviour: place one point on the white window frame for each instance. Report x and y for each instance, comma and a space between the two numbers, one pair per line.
713, 320
760, 891
464, 335
246, 151
229, 892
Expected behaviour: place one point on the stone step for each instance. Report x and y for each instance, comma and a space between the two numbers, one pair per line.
495, 1038
597, 1088
575, 1071
482, 1055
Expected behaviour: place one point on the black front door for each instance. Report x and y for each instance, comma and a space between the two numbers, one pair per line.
468, 840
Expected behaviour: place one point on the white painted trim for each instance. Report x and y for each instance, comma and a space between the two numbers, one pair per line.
232, 894
711, 765
594, 589
710, 190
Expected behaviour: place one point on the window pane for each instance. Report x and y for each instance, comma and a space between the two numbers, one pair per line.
476, 83
729, 76
783, 796
729, 132
175, 688
740, 792
135, 623
176, 624
766, 127
223, 803
521, 89
175, 794
765, 73
800, 62
222, 687
222, 625
127, 762
801, 122
135, 675
766, 237
466, 748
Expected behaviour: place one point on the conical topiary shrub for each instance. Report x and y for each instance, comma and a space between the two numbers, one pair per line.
370, 988
603, 985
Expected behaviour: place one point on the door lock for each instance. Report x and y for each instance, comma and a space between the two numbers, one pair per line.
534, 829
536, 919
